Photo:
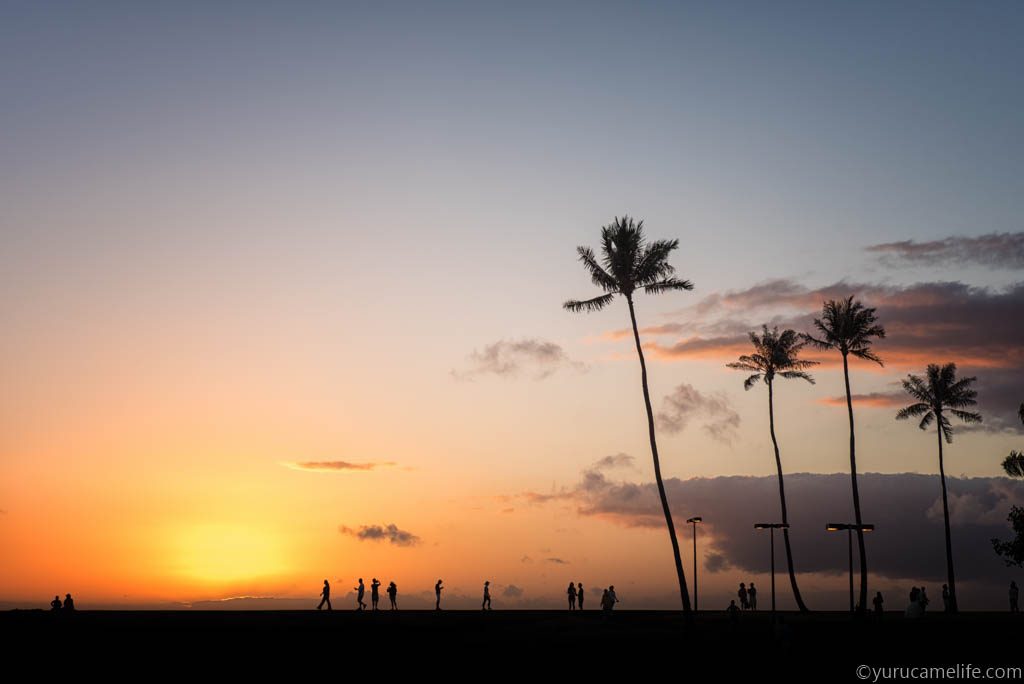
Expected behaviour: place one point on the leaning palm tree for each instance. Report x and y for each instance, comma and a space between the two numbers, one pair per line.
774, 355
937, 395
849, 328
630, 263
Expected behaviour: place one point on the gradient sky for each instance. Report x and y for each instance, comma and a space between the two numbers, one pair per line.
245, 237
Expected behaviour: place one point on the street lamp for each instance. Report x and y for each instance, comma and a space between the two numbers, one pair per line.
771, 527
849, 527
693, 521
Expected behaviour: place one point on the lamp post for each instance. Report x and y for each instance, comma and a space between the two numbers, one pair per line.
849, 527
693, 521
771, 527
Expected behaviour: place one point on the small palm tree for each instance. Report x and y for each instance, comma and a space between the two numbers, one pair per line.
850, 328
938, 395
630, 263
774, 355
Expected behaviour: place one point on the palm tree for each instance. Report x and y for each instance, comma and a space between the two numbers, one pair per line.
937, 395
848, 327
630, 263
777, 355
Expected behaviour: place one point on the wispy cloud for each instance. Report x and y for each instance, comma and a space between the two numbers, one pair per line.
536, 358
872, 399
337, 466
556, 561
619, 460
389, 533
994, 250
686, 403
512, 591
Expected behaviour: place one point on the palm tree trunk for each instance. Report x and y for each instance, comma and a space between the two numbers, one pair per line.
945, 519
862, 605
782, 499
683, 593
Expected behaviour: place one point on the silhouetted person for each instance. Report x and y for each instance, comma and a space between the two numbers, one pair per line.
743, 596
360, 593
571, 592
752, 596
325, 596
437, 593
486, 605
1014, 594
922, 599
579, 594
914, 607
375, 592
612, 596
606, 604
945, 598
734, 611
877, 603
69, 603
55, 603
393, 595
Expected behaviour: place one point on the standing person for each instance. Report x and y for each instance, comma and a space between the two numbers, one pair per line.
945, 598
1014, 594
55, 603
742, 594
923, 600
734, 611
375, 592
613, 599
579, 594
606, 604
393, 595
486, 605
360, 593
752, 596
877, 603
571, 592
325, 596
437, 592
69, 603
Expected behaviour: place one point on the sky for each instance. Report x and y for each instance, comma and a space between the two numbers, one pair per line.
281, 287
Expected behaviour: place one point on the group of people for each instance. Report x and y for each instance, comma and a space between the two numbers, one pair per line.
747, 596
392, 590
67, 605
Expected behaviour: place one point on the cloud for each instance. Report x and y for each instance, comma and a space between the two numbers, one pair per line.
556, 561
994, 250
389, 533
686, 403
618, 460
905, 507
511, 358
512, 591
525, 559
337, 466
872, 399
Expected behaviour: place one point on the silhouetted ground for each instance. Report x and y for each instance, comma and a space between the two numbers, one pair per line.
816, 647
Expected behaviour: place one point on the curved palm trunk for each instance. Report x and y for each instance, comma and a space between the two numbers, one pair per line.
862, 604
949, 541
683, 593
782, 499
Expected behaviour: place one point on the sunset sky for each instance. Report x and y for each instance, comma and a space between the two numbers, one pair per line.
281, 287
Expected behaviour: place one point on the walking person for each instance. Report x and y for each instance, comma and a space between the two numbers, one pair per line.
877, 603
923, 600
1014, 594
325, 596
393, 595
571, 592
375, 592
945, 598
744, 597
579, 594
752, 596
612, 597
606, 604
437, 593
360, 593
486, 605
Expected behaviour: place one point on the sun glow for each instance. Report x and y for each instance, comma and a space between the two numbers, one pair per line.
219, 553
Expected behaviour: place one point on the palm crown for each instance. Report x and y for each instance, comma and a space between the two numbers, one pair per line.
938, 393
628, 262
848, 326
774, 354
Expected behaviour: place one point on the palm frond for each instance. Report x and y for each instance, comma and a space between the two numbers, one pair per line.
588, 305
797, 375
913, 411
751, 381
667, 285
927, 420
1013, 465
598, 275
966, 416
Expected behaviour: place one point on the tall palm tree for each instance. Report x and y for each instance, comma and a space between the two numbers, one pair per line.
774, 355
937, 395
628, 264
850, 328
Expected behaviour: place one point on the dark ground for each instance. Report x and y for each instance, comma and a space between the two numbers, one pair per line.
817, 647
